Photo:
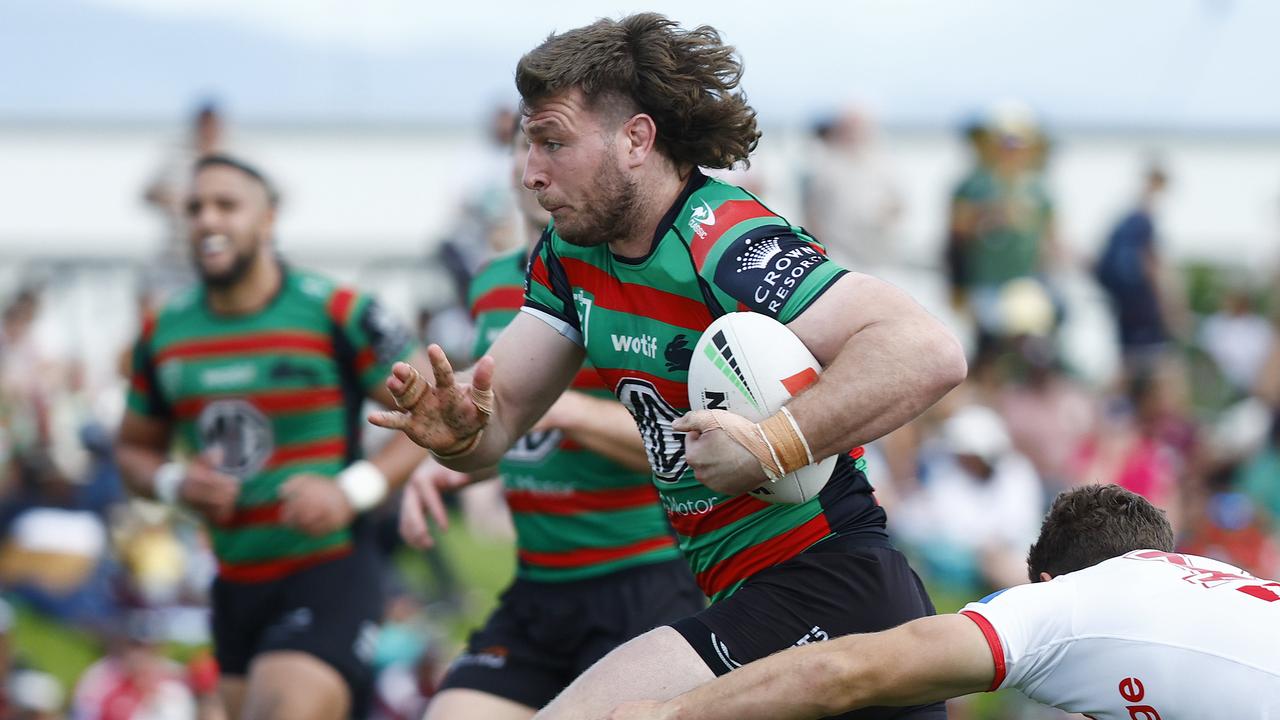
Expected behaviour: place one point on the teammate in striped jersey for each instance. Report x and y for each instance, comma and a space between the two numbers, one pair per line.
257, 376
643, 253
597, 562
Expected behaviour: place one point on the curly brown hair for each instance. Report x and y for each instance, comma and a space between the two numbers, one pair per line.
683, 79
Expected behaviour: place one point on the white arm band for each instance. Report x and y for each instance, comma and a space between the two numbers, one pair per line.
364, 485
167, 481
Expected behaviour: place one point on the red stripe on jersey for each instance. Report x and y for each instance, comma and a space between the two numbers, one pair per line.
720, 516
593, 556
364, 360
253, 572
588, 379
285, 401
675, 393
538, 272
579, 501
138, 381
247, 344
148, 326
857, 452
500, 298
993, 642
748, 562
268, 514
612, 294
340, 304
727, 215
800, 381
305, 452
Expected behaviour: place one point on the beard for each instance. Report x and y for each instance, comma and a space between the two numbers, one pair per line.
230, 275
610, 214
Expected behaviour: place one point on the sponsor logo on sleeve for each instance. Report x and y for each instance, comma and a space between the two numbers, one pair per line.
762, 273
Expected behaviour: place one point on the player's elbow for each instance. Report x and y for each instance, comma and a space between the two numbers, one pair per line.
841, 680
946, 364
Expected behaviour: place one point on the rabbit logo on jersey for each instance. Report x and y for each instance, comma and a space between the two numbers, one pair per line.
702, 216
654, 417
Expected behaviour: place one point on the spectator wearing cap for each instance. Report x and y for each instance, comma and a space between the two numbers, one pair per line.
1001, 219
979, 504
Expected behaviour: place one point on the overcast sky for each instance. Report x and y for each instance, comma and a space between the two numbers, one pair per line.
1191, 64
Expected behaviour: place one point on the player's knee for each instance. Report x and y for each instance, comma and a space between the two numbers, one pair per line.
286, 685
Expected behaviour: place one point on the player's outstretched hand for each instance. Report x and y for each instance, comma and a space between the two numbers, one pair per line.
207, 490
314, 504
439, 414
647, 710
422, 493
718, 461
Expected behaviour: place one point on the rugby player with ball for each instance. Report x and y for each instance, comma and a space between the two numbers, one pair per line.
643, 254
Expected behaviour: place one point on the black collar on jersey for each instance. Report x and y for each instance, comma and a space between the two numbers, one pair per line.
696, 181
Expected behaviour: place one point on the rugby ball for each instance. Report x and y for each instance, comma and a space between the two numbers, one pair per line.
752, 365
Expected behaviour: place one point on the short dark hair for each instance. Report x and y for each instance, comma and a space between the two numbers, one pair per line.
1093, 523
225, 160
683, 79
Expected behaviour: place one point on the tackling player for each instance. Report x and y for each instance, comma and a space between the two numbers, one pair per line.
259, 373
643, 253
1117, 626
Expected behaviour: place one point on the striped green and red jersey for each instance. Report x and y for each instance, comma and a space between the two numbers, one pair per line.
276, 392
577, 514
717, 250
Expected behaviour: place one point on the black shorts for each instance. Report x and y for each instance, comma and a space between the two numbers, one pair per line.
330, 611
543, 635
838, 587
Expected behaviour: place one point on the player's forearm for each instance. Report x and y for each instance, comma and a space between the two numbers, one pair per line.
607, 429
885, 375
138, 466
802, 683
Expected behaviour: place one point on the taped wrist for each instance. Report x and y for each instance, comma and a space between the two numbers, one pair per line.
776, 442
460, 448
364, 485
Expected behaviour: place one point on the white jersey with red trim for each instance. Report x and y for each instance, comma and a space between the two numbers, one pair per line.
1146, 636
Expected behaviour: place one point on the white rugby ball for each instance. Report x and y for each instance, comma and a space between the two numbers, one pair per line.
752, 365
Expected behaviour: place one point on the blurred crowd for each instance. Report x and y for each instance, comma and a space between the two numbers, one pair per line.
1190, 418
